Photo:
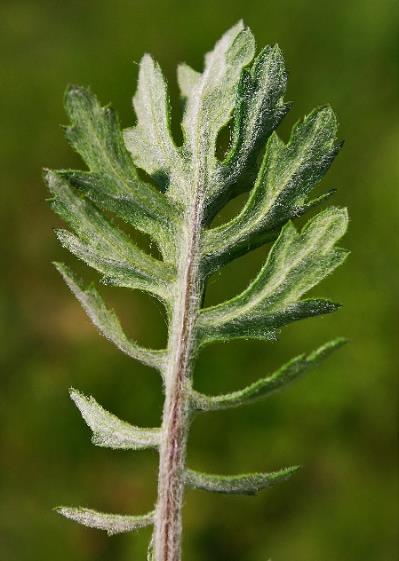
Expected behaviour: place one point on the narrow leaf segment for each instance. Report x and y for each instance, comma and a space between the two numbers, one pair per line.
243, 484
107, 322
110, 523
288, 373
111, 432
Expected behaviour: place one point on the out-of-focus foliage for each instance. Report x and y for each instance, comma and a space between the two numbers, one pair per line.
342, 504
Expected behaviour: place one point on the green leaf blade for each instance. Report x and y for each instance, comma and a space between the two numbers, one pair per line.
288, 174
102, 245
141, 199
109, 431
296, 263
95, 134
141, 206
262, 388
210, 99
107, 322
110, 523
150, 142
259, 109
243, 484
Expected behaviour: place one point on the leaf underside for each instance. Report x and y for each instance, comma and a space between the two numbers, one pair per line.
106, 320
110, 523
295, 264
262, 388
111, 432
243, 484
243, 91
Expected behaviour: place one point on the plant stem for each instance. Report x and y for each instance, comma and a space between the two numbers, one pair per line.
175, 424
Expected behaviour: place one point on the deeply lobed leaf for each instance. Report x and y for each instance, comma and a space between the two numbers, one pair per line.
112, 181
192, 183
295, 264
287, 175
103, 246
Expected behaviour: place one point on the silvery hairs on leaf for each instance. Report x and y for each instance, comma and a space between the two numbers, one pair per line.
111, 523
111, 432
173, 200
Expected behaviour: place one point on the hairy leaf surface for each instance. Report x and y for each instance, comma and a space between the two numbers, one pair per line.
286, 177
111, 432
150, 141
172, 199
262, 388
112, 181
110, 523
107, 322
243, 484
103, 246
210, 97
296, 263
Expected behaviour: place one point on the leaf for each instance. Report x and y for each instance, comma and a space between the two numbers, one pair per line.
154, 218
243, 484
238, 93
296, 263
287, 175
212, 94
95, 134
103, 246
111, 523
107, 322
108, 430
210, 98
259, 108
288, 373
150, 141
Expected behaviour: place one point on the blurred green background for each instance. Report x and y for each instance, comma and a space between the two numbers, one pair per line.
339, 421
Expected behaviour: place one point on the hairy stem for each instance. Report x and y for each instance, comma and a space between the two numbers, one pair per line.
181, 352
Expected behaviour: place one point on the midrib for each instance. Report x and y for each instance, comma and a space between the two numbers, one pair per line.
177, 376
